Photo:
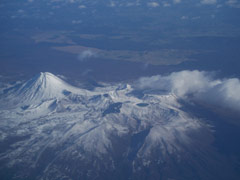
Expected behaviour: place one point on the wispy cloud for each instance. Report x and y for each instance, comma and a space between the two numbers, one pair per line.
208, 1
86, 72
153, 4
233, 3
177, 1
112, 4
199, 85
81, 6
184, 17
166, 4
86, 54
76, 21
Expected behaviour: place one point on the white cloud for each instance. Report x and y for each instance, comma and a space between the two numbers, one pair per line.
233, 3
225, 94
200, 85
196, 17
76, 21
86, 54
112, 4
130, 4
176, 1
179, 83
81, 6
153, 4
71, 1
166, 4
62, 76
184, 17
20, 11
86, 72
209, 1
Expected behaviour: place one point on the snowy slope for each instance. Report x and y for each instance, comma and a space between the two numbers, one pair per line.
44, 86
48, 116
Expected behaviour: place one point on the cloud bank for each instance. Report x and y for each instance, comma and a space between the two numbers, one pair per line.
199, 85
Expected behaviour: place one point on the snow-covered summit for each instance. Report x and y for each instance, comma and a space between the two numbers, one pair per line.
42, 87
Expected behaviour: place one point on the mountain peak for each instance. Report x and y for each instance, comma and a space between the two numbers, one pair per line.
44, 86
46, 74
45, 81
47, 77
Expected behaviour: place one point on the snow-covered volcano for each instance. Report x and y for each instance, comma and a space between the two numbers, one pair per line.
42, 87
67, 131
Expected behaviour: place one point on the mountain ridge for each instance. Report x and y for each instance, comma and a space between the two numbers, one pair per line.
88, 126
